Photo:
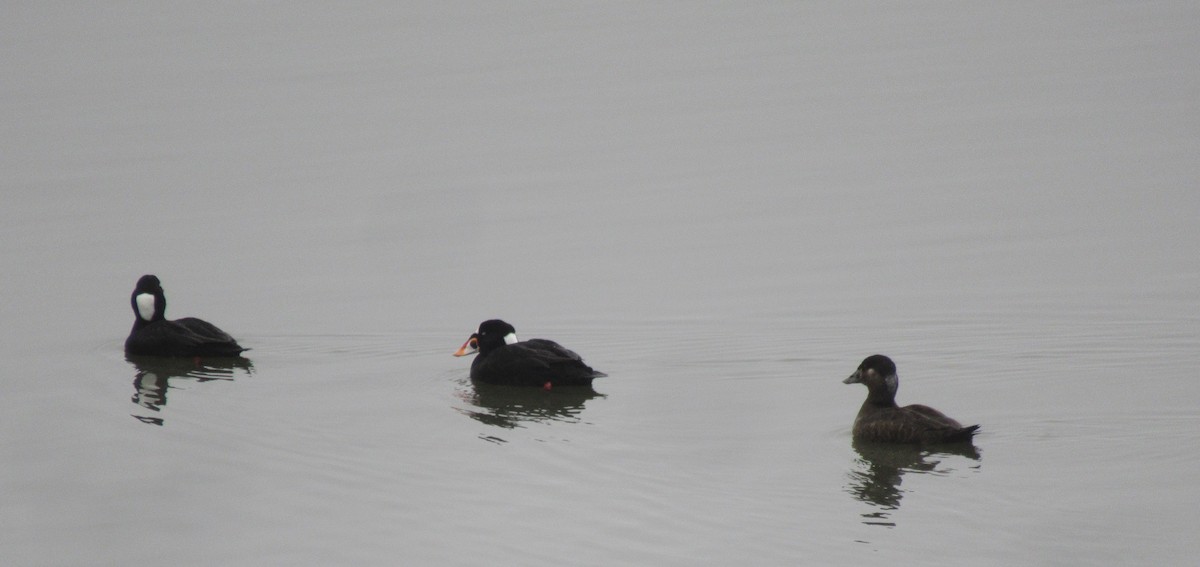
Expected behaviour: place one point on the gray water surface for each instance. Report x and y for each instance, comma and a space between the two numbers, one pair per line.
724, 207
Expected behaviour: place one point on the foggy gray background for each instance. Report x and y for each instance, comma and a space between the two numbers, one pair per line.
725, 207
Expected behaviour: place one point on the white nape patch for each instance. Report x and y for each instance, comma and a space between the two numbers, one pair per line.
145, 304
510, 338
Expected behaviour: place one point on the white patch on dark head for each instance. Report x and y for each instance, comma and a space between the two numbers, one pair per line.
145, 306
510, 338
893, 382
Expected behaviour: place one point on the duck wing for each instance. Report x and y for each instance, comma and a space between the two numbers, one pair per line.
932, 417
939, 427
560, 358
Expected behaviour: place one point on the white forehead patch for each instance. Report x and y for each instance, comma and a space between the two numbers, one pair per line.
510, 338
145, 305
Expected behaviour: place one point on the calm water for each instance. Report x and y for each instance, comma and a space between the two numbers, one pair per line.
725, 208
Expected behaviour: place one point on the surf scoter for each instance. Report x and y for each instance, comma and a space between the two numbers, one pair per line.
881, 420
154, 335
537, 362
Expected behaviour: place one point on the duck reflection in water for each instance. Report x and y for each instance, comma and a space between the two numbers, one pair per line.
154, 375
880, 467
509, 407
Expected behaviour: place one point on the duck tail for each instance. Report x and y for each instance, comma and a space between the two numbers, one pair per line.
964, 434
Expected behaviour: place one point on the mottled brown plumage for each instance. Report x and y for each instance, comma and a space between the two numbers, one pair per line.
881, 420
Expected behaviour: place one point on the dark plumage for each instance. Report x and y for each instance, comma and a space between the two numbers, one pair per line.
536, 362
881, 420
154, 335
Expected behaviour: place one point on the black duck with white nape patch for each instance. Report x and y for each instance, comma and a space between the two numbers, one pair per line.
881, 420
154, 335
504, 360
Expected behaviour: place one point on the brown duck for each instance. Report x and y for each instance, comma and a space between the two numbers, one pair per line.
881, 420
